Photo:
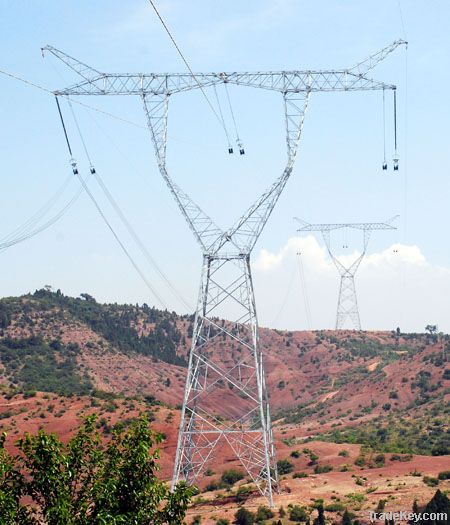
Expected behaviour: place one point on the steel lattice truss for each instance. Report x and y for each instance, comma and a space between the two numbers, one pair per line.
347, 309
242, 420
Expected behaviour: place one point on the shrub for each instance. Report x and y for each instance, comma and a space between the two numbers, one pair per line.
343, 453
244, 517
335, 507
393, 394
321, 469
231, 476
445, 474
284, 466
379, 460
430, 481
300, 475
263, 513
298, 513
360, 461
222, 521
213, 485
295, 454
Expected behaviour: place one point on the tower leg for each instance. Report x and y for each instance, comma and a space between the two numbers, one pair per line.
347, 309
225, 404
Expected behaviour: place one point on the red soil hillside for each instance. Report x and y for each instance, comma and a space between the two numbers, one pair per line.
372, 406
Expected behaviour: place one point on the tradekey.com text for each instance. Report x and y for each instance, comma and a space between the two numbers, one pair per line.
410, 517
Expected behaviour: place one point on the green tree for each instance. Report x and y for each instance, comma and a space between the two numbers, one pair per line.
439, 503
346, 518
320, 520
88, 483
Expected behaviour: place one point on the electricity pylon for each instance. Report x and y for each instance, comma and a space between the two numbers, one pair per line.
241, 418
347, 309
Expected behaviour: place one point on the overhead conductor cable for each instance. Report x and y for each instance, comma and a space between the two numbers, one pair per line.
122, 216
219, 120
100, 211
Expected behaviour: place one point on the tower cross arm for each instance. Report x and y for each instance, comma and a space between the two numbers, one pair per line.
294, 81
171, 83
353, 225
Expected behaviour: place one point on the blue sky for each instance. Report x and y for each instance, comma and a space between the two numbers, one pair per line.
337, 177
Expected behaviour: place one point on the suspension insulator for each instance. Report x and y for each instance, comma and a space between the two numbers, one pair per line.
230, 150
385, 166
92, 170
242, 151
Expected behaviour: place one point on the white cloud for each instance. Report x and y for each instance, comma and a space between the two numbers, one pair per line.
395, 287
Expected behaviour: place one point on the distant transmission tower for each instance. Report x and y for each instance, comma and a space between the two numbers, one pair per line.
347, 309
240, 419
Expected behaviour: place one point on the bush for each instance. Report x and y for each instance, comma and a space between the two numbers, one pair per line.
430, 481
222, 521
231, 476
321, 469
263, 513
360, 461
379, 460
445, 474
244, 517
298, 513
335, 507
295, 454
343, 453
300, 475
213, 485
284, 466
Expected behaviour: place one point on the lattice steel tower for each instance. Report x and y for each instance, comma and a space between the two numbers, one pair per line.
347, 309
241, 418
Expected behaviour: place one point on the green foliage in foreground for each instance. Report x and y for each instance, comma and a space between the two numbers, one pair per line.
88, 483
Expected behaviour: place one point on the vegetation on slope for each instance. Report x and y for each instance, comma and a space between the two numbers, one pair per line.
117, 324
428, 434
33, 364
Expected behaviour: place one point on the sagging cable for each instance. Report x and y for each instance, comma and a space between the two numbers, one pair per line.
103, 216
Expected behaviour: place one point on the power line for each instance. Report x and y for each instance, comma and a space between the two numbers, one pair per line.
32, 233
222, 124
46, 90
122, 216
106, 221
39, 214
230, 148
304, 290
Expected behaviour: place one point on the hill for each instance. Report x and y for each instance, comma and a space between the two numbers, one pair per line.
321, 379
354, 412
